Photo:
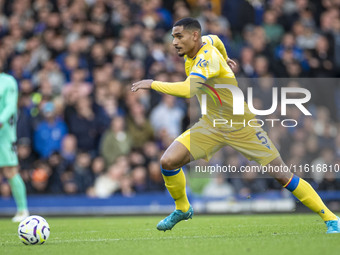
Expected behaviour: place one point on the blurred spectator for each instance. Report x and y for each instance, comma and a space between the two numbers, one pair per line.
288, 43
321, 61
126, 186
326, 159
25, 155
273, 30
82, 172
247, 62
26, 159
337, 145
329, 182
136, 158
156, 182
250, 183
52, 74
306, 37
257, 40
24, 123
168, 116
98, 167
312, 149
261, 67
69, 149
40, 178
139, 126
336, 35
239, 13
58, 168
82, 123
107, 184
155, 16
116, 141
77, 88
139, 181
49, 132
218, 187
151, 151
18, 69
68, 182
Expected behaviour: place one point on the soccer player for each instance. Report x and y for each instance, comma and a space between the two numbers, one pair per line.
206, 61
8, 137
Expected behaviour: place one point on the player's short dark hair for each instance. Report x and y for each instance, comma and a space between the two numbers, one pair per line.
188, 23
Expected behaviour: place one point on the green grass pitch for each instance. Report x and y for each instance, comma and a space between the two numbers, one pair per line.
230, 234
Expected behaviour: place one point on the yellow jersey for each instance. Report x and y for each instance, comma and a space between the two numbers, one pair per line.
210, 64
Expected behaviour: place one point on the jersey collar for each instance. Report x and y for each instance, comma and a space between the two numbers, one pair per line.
203, 44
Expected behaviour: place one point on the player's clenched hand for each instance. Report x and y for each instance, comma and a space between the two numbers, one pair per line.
231, 63
144, 84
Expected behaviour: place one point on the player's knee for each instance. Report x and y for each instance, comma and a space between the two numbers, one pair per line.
167, 163
10, 172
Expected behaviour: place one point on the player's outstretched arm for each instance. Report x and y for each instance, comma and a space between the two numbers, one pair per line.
143, 84
179, 89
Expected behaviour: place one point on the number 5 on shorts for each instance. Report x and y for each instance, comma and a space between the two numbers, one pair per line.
263, 139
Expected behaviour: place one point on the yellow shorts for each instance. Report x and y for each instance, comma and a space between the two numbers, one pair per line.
203, 141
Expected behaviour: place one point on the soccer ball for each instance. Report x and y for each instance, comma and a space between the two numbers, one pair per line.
33, 230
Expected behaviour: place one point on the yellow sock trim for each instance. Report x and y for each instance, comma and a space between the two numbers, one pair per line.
307, 195
176, 186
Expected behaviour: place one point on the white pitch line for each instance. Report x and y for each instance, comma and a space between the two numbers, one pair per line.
141, 238
126, 239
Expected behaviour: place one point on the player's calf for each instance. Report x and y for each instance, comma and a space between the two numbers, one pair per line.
303, 191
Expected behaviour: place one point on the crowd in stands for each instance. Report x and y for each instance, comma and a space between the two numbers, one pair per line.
82, 131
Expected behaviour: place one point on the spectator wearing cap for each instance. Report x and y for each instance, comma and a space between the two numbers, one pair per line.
49, 132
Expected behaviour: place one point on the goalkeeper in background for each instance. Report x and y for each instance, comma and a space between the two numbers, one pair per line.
207, 64
8, 137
